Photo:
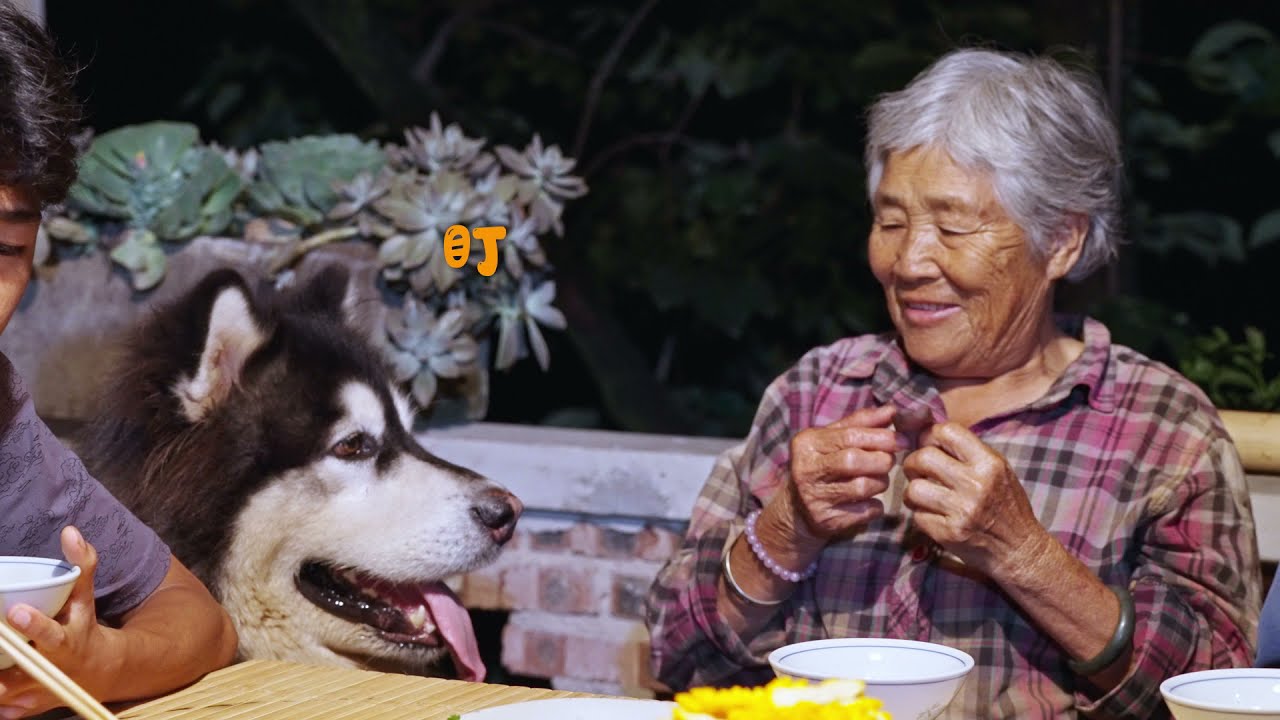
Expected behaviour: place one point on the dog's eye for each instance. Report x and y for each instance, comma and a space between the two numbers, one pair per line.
354, 447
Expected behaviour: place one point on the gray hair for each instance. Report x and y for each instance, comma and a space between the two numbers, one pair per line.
1042, 131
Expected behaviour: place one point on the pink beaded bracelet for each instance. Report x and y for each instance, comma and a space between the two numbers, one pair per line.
774, 567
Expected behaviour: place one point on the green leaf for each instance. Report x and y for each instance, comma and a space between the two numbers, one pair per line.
1210, 62
296, 178
142, 255
393, 250
1144, 91
1210, 236
155, 176
880, 56
1233, 377
424, 387
1265, 230
668, 288
1256, 341
156, 145
697, 69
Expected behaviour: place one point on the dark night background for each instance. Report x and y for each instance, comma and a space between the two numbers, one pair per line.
722, 235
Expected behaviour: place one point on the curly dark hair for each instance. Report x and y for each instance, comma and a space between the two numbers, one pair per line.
39, 112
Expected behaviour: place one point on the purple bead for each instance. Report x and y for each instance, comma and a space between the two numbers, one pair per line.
774, 567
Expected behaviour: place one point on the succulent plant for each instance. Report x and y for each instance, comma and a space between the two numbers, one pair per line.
519, 315
521, 246
160, 183
144, 185
545, 181
440, 148
298, 179
423, 347
64, 228
417, 212
140, 253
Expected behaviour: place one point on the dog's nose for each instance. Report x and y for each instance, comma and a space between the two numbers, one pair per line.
498, 510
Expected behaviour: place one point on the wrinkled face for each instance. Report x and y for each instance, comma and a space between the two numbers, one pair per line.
19, 222
961, 281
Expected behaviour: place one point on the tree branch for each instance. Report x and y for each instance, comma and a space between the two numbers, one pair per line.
295, 252
519, 33
656, 138
424, 67
602, 72
682, 122
667, 139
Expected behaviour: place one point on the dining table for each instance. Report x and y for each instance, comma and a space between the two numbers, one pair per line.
281, 690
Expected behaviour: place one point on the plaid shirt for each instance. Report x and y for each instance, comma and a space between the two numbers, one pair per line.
1128, 466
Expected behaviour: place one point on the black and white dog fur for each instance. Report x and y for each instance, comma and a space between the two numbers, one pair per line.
259, 433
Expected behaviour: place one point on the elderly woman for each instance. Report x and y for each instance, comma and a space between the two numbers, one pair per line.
991, 476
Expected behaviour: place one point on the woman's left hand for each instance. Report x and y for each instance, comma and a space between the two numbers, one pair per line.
73, 639
969, 501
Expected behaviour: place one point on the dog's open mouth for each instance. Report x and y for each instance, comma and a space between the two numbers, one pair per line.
425, 614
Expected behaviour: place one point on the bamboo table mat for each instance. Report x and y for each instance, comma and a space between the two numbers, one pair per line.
274, 690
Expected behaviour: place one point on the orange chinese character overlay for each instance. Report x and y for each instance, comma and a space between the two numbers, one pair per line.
457, 246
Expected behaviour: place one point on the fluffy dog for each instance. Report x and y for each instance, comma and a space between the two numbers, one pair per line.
259, 433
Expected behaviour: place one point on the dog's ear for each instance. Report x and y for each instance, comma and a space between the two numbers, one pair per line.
328, 291
232, 334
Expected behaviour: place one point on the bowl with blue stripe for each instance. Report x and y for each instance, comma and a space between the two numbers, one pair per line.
915, 680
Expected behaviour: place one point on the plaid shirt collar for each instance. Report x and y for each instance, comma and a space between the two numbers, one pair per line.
1091, 376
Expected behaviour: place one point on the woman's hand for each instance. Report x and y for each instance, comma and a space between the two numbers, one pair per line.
968, 500
73, 640
836, 472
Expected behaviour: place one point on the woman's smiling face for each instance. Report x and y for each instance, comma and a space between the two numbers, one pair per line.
963, 285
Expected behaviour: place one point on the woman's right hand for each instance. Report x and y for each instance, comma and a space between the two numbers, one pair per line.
836, 472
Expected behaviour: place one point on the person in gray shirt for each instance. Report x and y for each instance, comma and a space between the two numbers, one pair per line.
138, 623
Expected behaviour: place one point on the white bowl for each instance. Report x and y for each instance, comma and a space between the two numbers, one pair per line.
916, 680
1233, 693
42, 583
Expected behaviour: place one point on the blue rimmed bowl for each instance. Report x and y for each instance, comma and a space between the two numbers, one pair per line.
915, 680
1242, 693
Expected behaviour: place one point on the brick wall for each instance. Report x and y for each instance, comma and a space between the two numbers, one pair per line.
576, 597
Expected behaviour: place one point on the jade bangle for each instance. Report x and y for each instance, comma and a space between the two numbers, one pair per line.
1120, 640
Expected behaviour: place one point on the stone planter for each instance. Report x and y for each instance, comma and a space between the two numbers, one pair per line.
64, 336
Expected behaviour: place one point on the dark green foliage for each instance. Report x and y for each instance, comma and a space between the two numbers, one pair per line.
724, 232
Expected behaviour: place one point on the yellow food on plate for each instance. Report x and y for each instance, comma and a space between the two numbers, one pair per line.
781, 699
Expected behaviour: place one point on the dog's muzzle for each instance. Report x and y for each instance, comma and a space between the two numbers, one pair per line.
498, 510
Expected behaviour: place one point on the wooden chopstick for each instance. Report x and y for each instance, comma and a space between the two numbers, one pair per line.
50, 676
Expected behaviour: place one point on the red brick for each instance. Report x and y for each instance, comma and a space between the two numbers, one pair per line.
520, 586
567, 591
623, 660
481, 589
549, 540
657, 544
617, 543
533, 652
584, 539
519, 541
593, 658
628, 593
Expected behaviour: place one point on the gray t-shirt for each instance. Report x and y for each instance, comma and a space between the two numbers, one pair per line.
44, 487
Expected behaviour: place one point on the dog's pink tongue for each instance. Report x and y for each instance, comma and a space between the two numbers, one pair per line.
454, 624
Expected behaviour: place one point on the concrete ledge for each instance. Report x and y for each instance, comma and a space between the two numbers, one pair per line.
1257, 439
561, 475
631, 480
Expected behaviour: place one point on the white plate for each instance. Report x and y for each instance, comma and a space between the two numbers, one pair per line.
577, 709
